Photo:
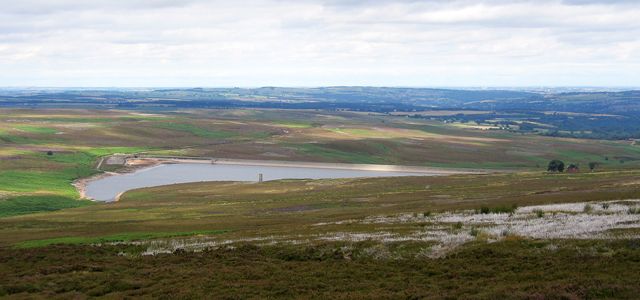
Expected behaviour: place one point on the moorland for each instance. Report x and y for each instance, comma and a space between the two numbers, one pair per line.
515, 231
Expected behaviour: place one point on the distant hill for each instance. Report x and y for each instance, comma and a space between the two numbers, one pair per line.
612, 114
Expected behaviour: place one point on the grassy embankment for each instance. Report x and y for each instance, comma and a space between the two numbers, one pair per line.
40, 182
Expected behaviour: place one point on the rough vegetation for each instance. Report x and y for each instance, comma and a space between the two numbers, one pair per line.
512, 269
525, 233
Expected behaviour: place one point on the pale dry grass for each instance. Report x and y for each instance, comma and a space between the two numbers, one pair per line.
450, 230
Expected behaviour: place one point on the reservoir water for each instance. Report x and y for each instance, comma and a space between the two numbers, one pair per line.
108, 188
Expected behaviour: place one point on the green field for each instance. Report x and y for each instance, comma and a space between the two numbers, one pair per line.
20, 205
197, 131
36, 129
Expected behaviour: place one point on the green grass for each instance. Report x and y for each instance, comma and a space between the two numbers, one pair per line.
31, 204
197, 131
122, 237
54, 176
75, 158
628, 157
63, 168
103, 151
338, 155
36, 129
56, 182
23, 140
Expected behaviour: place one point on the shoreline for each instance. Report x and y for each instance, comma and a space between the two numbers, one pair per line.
151, 161
81, 183
134, 164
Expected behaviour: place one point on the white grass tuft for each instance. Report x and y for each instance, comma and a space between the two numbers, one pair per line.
559, 221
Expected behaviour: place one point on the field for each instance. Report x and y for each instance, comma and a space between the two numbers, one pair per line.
515, 232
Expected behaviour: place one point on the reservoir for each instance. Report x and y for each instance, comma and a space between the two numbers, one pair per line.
108, 188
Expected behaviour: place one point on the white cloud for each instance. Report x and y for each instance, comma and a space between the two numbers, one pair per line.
308, 43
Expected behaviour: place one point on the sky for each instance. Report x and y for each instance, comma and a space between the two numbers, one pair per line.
428, 43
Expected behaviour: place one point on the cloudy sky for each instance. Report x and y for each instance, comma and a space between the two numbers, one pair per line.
315, 43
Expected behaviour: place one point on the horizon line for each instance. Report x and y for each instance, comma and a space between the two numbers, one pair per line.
333, 86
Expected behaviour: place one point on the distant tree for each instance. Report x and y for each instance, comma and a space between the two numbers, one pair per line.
573, 168
593, 165
49, 152
556, 166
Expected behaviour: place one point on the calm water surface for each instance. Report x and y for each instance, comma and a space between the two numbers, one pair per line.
107, 189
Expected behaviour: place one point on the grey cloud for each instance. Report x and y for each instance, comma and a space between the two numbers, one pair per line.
319, 42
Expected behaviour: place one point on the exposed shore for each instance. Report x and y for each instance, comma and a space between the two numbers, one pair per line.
151, 161
133, 164
81, 183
